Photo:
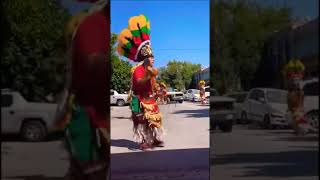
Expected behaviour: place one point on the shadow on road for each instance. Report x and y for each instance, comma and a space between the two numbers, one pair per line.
124, 143
203, 105
194, 113
299, 138
160, 160
121, 117
278, 164
36, 177
17, 138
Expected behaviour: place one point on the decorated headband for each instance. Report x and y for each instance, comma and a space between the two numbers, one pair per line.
134, 41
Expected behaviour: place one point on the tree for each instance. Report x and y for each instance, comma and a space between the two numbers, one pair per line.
239, 31
121, 70
34, 55
178, 74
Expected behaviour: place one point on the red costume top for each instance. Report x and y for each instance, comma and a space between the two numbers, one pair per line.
141, 90
92, 37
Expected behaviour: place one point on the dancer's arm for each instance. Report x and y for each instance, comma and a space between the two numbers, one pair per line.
142, 77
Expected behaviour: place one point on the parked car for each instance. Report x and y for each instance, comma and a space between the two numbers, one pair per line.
32, 121
240, 97
207, 91
214, 92
311, 101
267, 107
222, 113
185, 96
175, 95
193, 95
117, 98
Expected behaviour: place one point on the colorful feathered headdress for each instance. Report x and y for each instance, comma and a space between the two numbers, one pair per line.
294, 69
134, 41
202, 83
163, 85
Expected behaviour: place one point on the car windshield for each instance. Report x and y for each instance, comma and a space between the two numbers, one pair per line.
277, 97
239, 97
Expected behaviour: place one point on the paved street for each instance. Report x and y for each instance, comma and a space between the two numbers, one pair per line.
186, 151
33, 161
256, 154
244, 154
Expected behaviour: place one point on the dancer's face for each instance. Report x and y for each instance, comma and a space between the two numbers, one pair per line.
151, 61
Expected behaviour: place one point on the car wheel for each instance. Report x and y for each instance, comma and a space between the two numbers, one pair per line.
226, 126
313, 119
120, 102
267, 122
180, 101
244, 118
34, 131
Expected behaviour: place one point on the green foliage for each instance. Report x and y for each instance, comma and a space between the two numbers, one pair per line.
178, 74
240, 30
33, 58
121, 75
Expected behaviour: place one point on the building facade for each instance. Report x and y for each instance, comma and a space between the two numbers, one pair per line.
203, 74
299, 41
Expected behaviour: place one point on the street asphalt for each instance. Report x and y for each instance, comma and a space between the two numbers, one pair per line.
247, 153
184, 156
250, 153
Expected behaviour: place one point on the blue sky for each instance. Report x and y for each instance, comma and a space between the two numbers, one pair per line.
179, 28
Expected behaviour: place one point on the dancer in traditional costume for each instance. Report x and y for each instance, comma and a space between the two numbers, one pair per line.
294, 71
164, 95
202, 91
83, 113
157, 93
134, 44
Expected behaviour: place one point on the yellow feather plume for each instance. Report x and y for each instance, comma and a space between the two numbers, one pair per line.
123, 35
148, 24
142, 20
133, 23
135, 20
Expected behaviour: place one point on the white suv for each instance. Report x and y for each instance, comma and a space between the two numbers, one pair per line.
193, 95
117, 98
33, 121
311, 101
266, 106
